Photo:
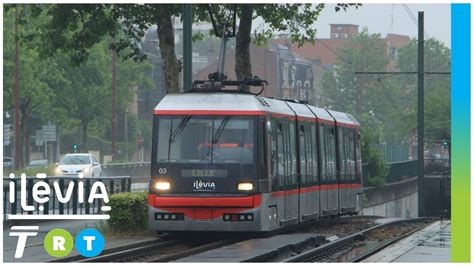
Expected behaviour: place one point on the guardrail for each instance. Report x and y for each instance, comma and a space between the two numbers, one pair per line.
134, 170
401, 170
113, 184
397, 171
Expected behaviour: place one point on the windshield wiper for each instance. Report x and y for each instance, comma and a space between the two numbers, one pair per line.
220, 129
175, 134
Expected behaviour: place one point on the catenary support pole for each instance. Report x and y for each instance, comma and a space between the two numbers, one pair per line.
421, 129
187, 46
18, 155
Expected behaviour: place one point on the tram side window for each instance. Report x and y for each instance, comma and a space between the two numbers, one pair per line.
309, 154
314, 152
332, 154
352, 155
274, 150
322, 148
303, 157
292, 153
342, 154
358, 156
280, 156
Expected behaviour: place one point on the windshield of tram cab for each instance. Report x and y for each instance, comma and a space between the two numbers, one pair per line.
205, 139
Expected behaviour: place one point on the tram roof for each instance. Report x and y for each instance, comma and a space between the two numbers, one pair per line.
243, 104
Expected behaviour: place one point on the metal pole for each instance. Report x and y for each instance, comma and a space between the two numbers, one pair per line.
222, 50
17, 162
187, 46
126, 133
114, 119
421, 130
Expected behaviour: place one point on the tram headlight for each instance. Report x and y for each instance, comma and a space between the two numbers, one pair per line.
162, 185
245, 186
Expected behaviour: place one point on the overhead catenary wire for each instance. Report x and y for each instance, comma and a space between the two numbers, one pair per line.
413, 18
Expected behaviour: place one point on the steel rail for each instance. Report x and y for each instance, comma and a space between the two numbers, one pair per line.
343, 242
109, 253
378, 248
195, 250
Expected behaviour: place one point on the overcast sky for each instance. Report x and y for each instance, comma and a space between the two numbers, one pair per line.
378, 19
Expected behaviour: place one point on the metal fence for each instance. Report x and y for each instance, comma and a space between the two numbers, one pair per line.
134, 170
393, 152
115, 184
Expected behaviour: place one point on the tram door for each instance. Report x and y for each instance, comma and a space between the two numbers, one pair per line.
291, 175
285, 183
309, 197
329, 182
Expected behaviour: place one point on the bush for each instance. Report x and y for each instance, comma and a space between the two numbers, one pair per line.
377, 168
48, 170
129, 212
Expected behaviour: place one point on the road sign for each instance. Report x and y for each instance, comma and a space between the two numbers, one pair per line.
49, 133
6, 134
39, 138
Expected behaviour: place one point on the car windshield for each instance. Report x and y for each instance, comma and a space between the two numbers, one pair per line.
75, 159
205, 139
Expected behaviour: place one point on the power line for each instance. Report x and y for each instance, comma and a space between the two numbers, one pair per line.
413, 18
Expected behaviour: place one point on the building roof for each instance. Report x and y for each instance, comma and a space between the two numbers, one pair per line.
397, 40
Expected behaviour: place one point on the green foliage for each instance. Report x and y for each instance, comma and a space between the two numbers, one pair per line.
388, 103
129, 212
296, 19
437, 87
48, 170
77, 98
377, 167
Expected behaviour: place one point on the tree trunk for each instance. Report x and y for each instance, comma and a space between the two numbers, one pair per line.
243, 67
168, 54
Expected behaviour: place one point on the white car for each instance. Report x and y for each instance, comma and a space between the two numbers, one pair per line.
76, 163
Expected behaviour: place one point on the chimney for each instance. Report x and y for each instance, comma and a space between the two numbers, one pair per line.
343, 31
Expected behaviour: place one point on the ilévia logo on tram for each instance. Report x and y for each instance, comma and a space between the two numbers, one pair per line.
58, 242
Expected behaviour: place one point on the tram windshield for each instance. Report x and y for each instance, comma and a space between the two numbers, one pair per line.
205, 139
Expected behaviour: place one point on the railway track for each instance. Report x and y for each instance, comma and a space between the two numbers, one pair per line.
164, 249
341, 249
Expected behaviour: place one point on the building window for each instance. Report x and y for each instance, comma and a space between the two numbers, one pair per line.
339, 28
344, 35
335, 35
393, 52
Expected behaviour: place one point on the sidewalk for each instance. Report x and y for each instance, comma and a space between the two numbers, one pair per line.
431, 244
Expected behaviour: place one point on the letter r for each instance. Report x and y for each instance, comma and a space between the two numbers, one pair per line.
58, 243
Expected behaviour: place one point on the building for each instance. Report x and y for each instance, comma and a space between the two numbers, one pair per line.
290, 76
323, 53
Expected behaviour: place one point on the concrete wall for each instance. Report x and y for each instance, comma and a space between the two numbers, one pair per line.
398, 199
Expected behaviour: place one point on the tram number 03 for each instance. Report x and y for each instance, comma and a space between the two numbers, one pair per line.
162, 171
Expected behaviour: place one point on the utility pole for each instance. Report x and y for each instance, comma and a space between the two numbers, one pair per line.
421, 113
187, 46
17, 160
114, 119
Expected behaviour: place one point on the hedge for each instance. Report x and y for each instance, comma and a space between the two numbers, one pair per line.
129, 212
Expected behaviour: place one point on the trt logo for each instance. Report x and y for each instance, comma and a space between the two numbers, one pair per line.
59, 242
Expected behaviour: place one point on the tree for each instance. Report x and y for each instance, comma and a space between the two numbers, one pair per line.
54, 90
349, 92
75, 28
437, 87
35, 95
